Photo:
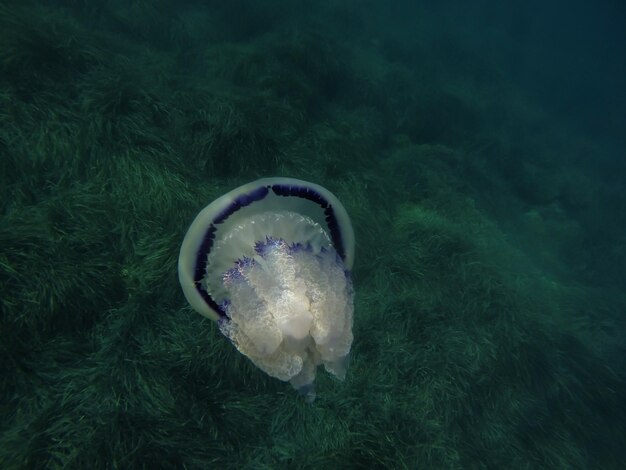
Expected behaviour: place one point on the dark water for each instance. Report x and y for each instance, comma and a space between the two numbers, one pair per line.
479, 148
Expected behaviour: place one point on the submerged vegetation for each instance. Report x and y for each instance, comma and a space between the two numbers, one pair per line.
489, 267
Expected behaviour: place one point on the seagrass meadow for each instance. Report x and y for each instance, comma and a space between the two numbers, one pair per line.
478, 148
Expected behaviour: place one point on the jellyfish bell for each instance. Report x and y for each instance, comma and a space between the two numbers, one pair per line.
270, 261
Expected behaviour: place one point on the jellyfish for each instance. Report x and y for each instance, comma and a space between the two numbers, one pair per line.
270, 262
